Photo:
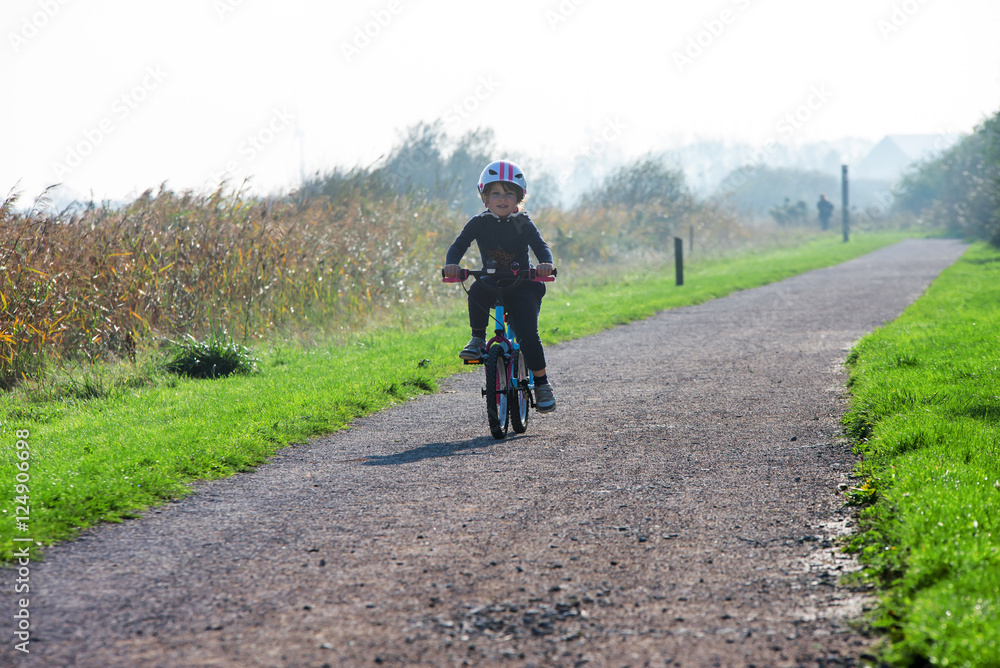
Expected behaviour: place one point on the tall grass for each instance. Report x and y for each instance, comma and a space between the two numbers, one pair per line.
95, 282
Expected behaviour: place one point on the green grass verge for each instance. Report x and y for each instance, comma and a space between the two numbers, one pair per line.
108, 454
926, 411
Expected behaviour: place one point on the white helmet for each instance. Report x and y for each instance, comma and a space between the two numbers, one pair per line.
503, 171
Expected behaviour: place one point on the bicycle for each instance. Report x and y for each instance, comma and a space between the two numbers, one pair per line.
509, 388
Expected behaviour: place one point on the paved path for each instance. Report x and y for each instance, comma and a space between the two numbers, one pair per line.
677, 509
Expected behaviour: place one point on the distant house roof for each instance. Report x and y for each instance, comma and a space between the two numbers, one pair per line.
891, 156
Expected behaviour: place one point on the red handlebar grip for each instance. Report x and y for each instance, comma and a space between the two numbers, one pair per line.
533, 275
463, 275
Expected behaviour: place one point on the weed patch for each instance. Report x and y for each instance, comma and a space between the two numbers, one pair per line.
217, 357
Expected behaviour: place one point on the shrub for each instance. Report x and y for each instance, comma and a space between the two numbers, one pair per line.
217, 357
960, 190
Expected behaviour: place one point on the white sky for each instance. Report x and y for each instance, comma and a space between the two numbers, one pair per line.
116, 96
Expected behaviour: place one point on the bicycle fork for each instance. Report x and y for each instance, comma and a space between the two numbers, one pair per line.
511, 347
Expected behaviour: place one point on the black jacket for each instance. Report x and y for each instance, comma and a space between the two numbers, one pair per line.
503, 240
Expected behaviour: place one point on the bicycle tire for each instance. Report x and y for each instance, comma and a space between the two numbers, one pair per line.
520, 401
496, 392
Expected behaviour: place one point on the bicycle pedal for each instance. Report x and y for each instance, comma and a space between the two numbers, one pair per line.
478, 361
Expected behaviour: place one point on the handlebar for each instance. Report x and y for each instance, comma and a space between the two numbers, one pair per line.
530, 275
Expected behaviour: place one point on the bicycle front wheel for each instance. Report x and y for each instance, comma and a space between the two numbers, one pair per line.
519, 401
496, 392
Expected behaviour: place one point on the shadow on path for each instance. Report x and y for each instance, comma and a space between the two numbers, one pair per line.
435, 450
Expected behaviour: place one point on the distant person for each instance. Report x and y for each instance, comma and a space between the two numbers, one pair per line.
504, 233
825, 208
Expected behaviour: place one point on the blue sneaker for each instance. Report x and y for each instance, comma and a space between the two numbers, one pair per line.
545, 401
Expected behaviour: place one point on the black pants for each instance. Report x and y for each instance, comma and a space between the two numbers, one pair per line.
522, 305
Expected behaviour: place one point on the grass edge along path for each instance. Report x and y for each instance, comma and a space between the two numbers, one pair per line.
925, 412
109, 458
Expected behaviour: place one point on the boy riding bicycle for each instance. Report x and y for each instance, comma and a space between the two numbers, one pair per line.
504, 234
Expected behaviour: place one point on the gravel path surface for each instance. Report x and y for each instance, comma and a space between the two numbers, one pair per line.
679, 508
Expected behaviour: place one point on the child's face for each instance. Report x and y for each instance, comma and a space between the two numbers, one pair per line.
500, 198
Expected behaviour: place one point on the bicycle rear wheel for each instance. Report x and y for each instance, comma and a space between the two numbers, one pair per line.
519, 399
496, 392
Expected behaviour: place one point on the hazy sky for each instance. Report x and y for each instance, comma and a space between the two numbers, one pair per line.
115, 96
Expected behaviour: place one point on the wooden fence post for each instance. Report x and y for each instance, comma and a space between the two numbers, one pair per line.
679, 259
843, 202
